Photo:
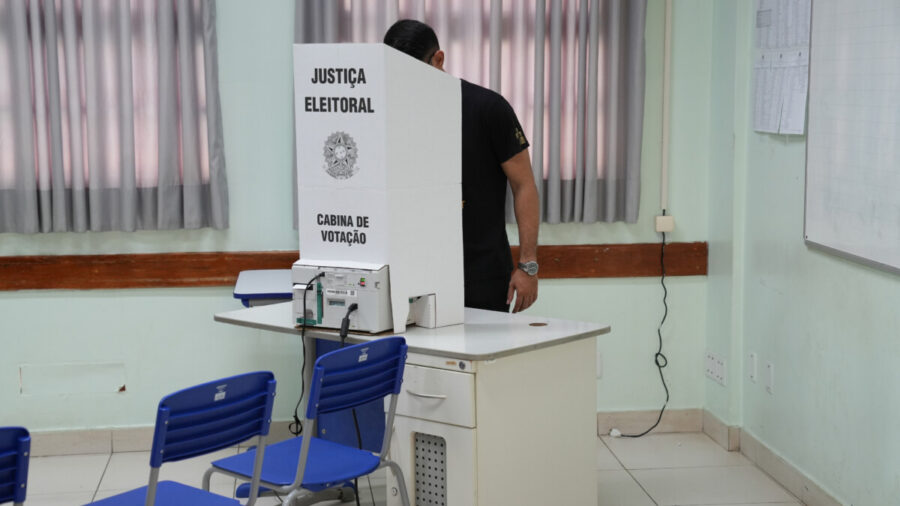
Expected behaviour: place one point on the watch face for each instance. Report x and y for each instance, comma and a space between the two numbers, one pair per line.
530, 268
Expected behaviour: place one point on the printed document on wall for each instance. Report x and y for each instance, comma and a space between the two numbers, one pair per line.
781, 66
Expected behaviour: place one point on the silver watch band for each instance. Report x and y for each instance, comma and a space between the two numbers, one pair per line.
530, 268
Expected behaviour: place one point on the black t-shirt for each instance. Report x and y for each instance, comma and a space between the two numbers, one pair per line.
491, 135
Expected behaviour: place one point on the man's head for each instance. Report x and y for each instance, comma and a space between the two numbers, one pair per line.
417, 40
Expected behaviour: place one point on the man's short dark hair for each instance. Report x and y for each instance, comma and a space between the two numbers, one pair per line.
414, 38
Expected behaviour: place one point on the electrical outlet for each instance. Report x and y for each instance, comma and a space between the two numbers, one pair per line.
599, 365
715, 368
770, 377
665, 223
720, 370
752, 365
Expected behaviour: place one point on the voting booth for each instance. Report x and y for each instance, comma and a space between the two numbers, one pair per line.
379, 197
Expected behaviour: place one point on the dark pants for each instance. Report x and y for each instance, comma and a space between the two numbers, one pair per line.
488, 294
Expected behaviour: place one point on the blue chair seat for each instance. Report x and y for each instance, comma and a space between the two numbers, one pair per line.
334, 463
170, 493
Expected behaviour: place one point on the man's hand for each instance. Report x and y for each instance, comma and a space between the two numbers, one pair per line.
524, 287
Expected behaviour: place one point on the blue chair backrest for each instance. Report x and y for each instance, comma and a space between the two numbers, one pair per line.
357, 374
15, 447
212, 416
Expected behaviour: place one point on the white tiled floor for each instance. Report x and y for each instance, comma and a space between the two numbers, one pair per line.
663, 470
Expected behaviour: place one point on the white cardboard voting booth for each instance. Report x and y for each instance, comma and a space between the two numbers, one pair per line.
378, 170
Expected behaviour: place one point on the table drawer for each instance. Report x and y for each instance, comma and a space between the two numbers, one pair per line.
438, 395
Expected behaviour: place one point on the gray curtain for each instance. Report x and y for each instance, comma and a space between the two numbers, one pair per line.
573, 70
595, 105
110, 116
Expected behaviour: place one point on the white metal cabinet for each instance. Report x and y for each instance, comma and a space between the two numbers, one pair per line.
534, 430
437, 402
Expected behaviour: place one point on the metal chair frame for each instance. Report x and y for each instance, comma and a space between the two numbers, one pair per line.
295, 493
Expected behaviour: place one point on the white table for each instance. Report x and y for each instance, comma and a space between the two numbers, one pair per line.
504, 405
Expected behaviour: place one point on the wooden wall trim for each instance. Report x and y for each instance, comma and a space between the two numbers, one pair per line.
620, 260
86, 272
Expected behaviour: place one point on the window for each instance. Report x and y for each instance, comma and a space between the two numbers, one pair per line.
110, 116
582, 89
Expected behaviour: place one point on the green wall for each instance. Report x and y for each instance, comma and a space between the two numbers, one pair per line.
723, 287
633, 307
828, 325
166, 339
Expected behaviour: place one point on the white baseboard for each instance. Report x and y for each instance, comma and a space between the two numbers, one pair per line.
727, 436
673, 420
136, 439
797, 483
71, 442
636, 422
129, 439
731, 438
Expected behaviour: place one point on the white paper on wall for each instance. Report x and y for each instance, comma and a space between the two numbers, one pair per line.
764, 106
781, 66
794, 86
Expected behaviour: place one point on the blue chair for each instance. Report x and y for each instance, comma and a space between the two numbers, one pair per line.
15, 447
199, 420
341, 380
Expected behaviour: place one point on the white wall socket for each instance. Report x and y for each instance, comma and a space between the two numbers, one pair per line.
715, 368
770, 377
752, 365
665, 223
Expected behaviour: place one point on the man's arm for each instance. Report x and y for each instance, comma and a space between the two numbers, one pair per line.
526, 204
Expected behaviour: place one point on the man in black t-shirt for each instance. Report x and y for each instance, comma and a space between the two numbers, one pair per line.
494, 152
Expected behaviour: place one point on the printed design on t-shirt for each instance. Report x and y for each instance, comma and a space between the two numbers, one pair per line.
340, 156
520, 137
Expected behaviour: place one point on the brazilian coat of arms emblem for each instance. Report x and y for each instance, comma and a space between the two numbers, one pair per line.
340, 156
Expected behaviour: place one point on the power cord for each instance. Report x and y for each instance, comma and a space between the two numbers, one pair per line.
345, 329
296, 428
368, 476
660, 359
345, 323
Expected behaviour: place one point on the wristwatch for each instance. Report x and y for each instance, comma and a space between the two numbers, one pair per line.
530, 268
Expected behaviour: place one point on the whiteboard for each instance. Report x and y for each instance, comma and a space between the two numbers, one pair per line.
853, 148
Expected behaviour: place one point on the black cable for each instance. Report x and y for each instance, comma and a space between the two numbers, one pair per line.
296, 428
660, 359
345, 329
371, 491
359, 445
345, 323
